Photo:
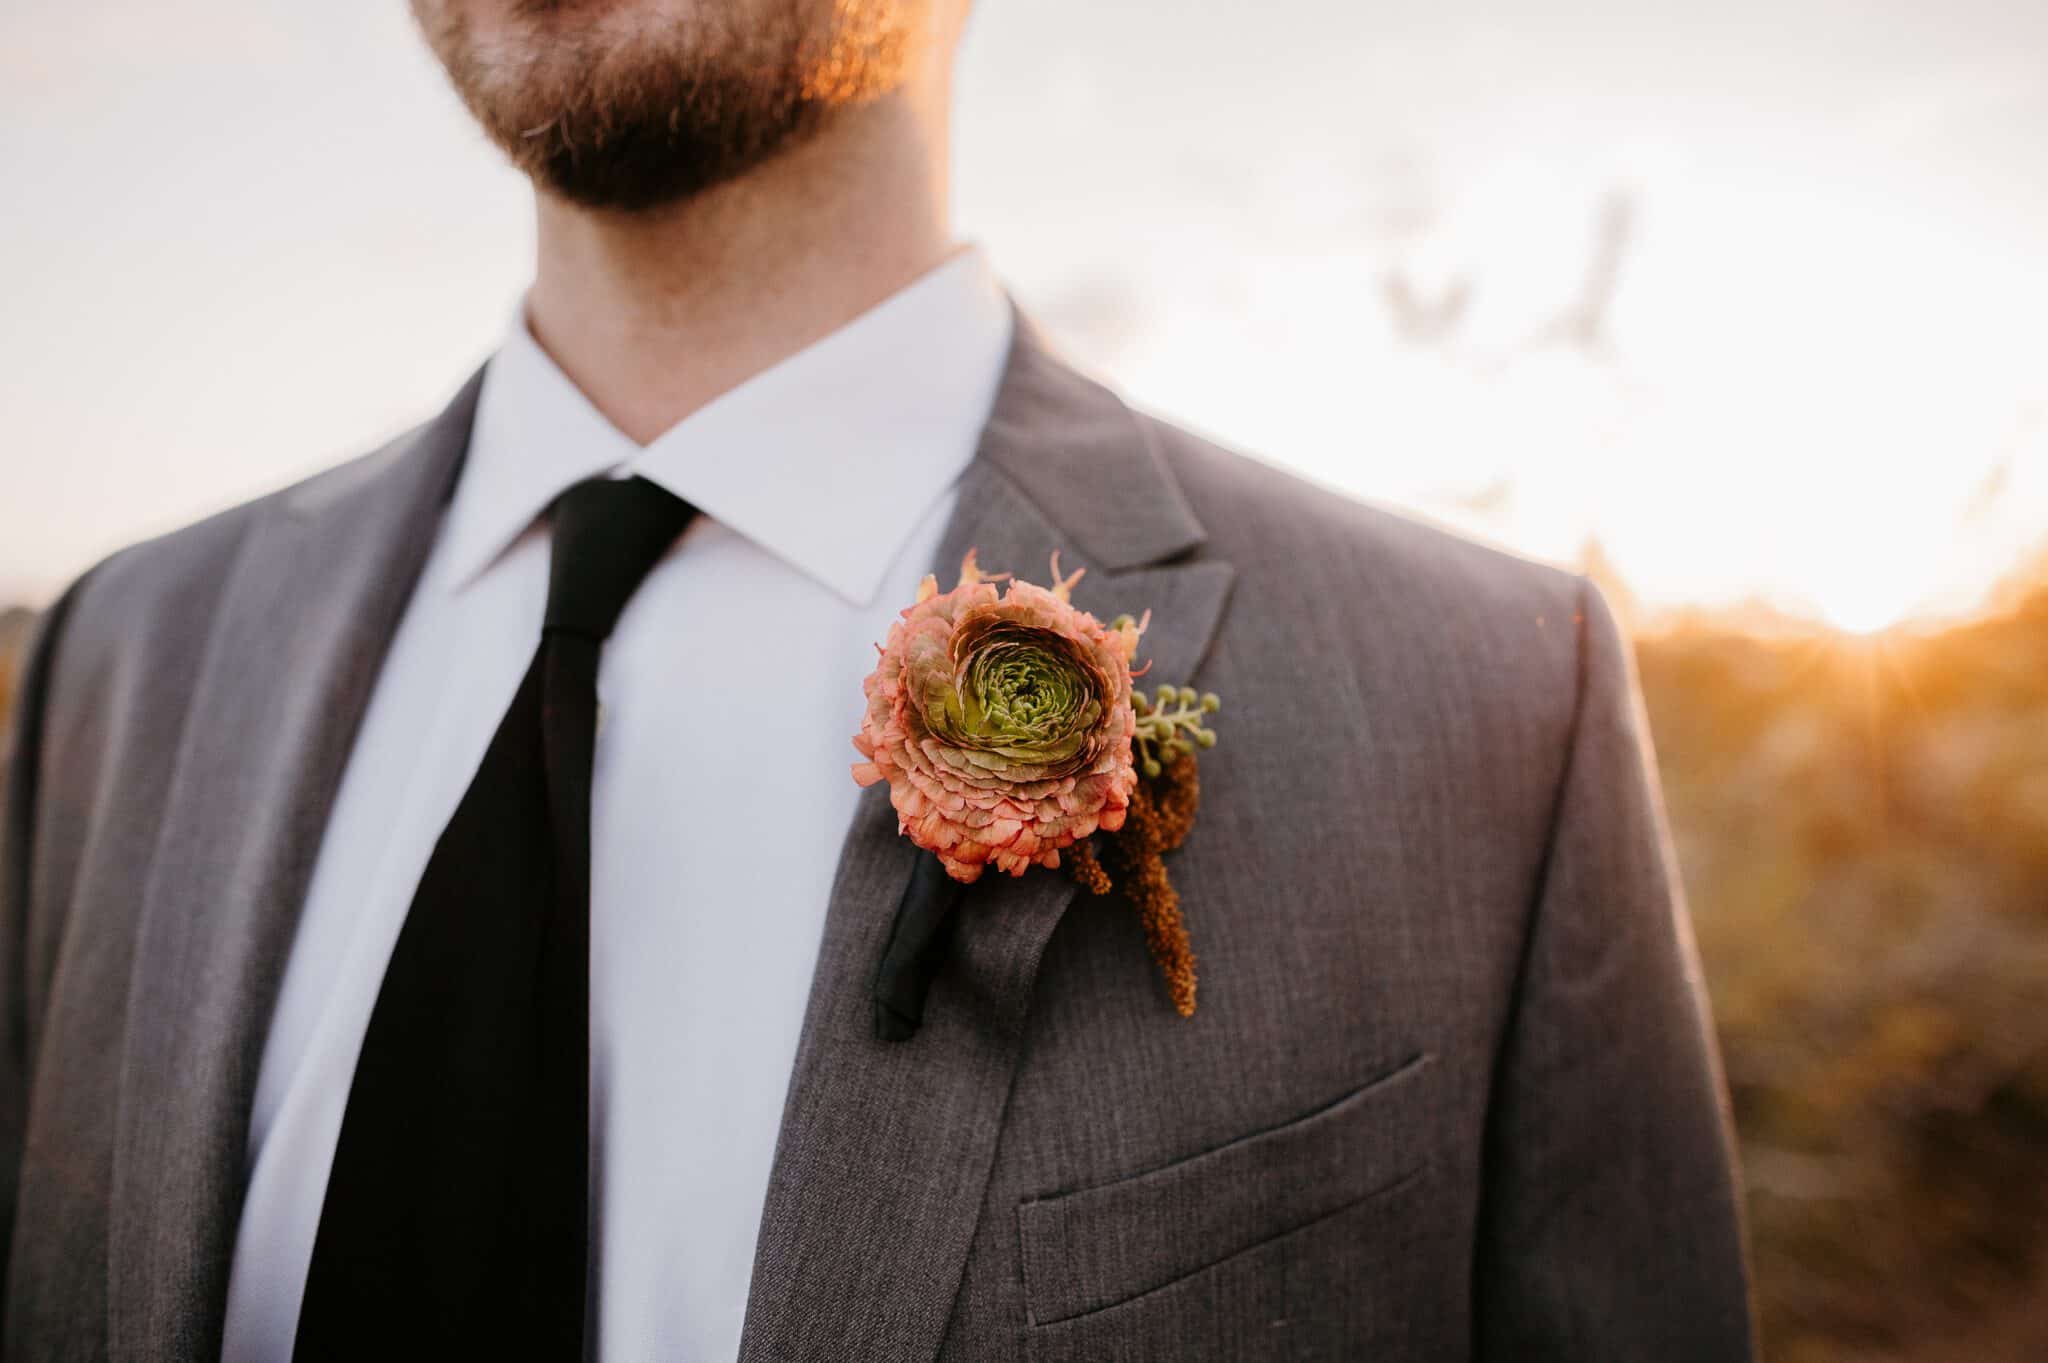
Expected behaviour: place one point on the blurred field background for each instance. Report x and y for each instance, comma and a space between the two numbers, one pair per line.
1741, 307
1862, 825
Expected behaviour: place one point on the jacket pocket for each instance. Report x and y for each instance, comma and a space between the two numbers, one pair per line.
1098, 1246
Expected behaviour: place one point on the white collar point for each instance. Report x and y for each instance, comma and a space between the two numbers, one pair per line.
828, 459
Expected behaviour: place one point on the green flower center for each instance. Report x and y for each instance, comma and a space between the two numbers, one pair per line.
1020, 695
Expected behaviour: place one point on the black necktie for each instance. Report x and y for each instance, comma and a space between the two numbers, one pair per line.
456, 1217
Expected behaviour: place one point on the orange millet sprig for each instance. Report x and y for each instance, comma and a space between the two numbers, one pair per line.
1161, 813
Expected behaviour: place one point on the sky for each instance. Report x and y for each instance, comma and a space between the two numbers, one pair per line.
1753, 293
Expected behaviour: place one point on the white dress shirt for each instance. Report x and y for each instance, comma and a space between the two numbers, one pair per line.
731, 691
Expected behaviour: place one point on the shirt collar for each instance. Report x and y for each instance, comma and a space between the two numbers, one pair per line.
827, 459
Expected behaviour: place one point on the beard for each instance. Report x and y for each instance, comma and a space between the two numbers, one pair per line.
634, 106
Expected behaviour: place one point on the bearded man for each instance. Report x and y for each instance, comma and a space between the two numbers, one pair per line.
437, 921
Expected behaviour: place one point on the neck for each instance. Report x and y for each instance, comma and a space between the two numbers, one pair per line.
652, 315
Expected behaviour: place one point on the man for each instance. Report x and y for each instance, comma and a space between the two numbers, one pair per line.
439, 922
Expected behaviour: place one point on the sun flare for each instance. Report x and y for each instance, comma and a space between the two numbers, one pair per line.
1860, 607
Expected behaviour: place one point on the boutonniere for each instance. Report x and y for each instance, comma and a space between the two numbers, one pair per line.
1011, 730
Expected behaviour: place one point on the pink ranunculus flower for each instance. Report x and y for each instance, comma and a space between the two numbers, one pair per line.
1002, 722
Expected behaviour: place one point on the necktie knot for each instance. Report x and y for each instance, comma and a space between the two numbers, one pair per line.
608, 535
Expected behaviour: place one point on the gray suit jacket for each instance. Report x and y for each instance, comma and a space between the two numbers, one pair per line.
1450, 1093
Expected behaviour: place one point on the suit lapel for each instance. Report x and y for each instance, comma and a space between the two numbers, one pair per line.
302, 625
885, 1148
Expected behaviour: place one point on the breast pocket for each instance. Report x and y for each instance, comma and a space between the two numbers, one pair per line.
1087, 1251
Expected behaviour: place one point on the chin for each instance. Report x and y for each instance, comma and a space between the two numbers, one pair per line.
634, 105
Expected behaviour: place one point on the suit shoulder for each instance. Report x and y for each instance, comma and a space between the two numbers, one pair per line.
1469, 651
120, 612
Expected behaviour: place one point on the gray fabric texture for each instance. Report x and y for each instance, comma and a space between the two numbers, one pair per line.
1449, 1094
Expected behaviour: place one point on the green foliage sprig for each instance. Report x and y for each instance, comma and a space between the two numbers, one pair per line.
1170, 725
